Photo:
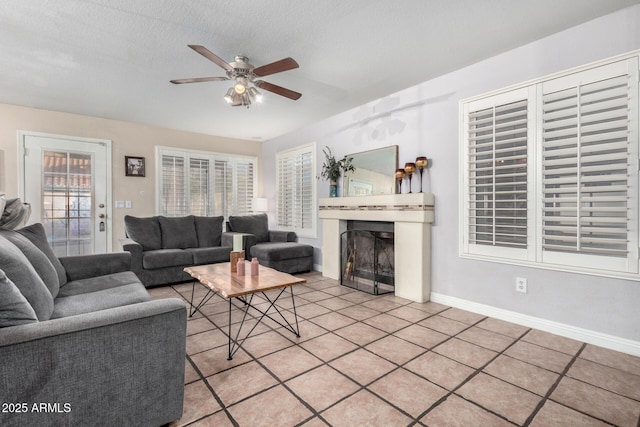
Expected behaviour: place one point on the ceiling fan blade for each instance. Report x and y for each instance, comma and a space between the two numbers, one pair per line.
279, 90
211, 56
276, 67
198, 80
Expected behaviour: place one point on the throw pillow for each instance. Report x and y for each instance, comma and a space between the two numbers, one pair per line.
15, 214
178, 233
145, 231
20, 271
37, 235
257, 225
209, 230
14, 307
38, 260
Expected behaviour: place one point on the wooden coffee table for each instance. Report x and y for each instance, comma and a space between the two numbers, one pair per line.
218, 278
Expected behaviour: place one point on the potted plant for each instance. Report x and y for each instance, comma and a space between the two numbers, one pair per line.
332, 169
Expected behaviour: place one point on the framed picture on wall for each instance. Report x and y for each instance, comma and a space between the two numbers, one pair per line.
134, 166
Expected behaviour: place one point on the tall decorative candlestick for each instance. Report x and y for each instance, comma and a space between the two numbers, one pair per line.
410, 168
421, 163
399, 177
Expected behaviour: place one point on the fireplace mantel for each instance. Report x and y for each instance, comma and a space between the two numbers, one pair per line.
412, 215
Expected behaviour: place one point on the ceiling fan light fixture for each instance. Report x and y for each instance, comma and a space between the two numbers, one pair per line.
229, 96
240, 87
246, 99
255, 94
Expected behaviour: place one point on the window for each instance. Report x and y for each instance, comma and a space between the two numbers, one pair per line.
204, 184
296, 207
551, 172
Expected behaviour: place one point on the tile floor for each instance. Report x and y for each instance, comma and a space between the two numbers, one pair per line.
366, 360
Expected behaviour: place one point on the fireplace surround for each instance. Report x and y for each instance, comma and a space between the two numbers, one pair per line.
412, 216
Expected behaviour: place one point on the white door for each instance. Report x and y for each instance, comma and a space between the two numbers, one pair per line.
67, 182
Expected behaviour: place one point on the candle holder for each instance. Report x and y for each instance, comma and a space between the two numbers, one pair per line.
421, 163
410, 168
399, 177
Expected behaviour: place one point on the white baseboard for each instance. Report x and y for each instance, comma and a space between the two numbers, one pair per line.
584, 335
317, 267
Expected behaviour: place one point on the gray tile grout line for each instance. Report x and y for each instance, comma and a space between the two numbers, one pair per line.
431, 349
361, 387
215, 396
471, 376
398, 366
555, 385
256, 359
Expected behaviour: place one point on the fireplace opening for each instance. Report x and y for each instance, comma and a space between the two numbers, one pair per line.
367, 257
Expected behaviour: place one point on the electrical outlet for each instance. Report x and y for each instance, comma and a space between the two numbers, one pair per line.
521, 285
127, 204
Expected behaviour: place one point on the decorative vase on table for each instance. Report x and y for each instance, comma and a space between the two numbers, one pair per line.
333, 189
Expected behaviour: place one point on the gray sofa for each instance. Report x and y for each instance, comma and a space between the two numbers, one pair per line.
273, 248
81, 341
162, 247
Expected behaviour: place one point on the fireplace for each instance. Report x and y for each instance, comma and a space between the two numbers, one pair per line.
367, 256
411, 215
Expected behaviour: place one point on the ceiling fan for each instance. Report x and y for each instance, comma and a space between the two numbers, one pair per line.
244, 91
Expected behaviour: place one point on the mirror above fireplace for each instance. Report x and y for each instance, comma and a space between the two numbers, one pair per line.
374, 174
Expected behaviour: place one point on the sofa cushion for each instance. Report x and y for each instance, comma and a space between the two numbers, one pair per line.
257, 225
93, 284
36, 234
20, 271
14, 307
281, 251
89, 302
166, 258
209, 230
38, 260
178, 233
145, 231
210, 255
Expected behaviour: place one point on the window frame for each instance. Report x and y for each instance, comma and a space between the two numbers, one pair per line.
291, 153
212, 158
535, 255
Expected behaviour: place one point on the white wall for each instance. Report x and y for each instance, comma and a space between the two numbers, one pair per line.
603, 305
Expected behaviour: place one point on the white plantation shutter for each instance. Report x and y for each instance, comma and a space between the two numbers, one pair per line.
244, 187
498, 175
284, 204
205, 184
587, 160
223, 188
551, 172
173, 185
234, 186
296, 208
199, 181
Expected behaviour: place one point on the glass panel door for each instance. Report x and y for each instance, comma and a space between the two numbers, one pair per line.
66, 181
67, 211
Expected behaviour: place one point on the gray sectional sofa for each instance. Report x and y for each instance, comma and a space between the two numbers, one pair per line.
162, 247
273, 248
81, 341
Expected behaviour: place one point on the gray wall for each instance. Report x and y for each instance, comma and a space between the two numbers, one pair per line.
424, 121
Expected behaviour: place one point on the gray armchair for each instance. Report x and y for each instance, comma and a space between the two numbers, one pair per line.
275, 249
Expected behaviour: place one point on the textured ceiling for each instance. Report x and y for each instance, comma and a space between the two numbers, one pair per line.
114, 58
